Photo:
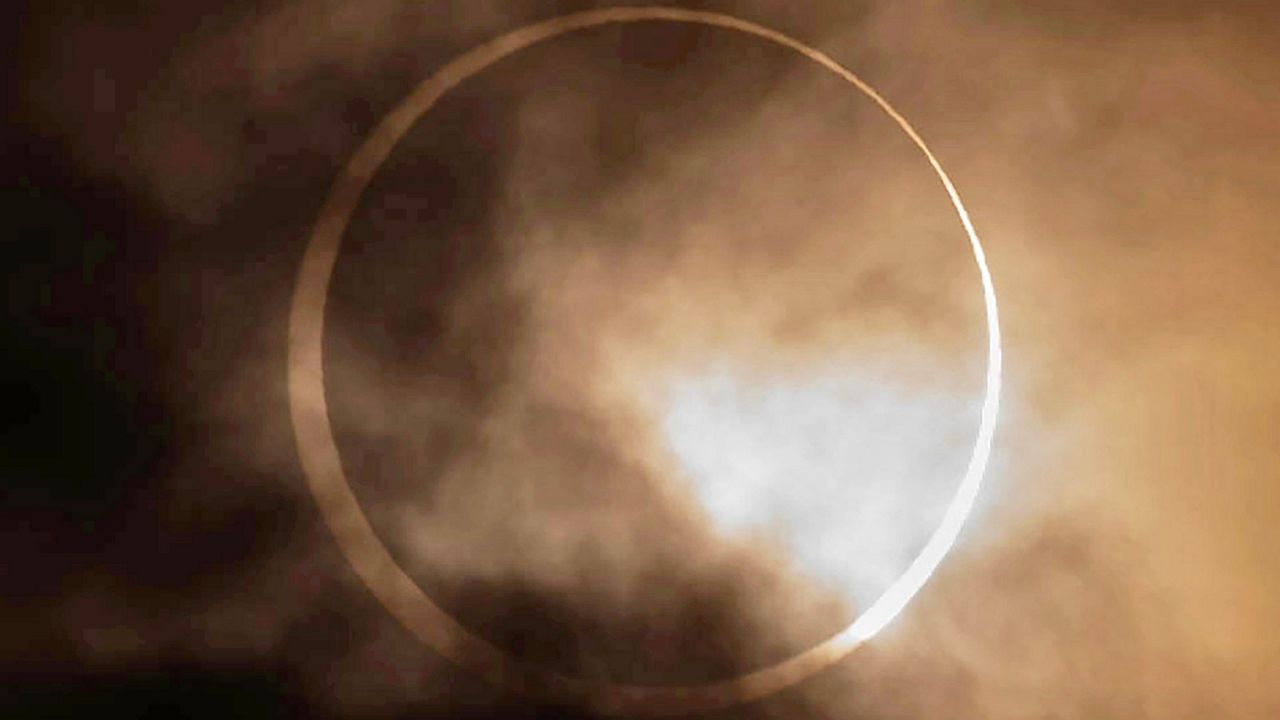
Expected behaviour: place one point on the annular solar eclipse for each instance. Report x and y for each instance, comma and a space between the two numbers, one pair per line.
401, 596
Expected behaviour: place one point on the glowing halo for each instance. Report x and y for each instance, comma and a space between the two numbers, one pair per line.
369, 557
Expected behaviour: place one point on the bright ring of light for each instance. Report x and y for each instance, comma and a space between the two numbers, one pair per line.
366, 553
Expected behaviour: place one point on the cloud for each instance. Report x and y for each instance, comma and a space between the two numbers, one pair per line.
592, 280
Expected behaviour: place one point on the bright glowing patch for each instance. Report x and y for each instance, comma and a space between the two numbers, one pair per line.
846, 472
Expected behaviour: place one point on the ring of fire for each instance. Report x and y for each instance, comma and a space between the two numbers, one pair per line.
369, 557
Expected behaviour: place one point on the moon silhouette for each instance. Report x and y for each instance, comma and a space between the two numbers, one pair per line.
369, 557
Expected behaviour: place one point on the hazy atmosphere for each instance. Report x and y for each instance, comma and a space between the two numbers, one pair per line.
653, 354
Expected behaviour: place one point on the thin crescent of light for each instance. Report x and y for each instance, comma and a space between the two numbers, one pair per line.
369, 557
